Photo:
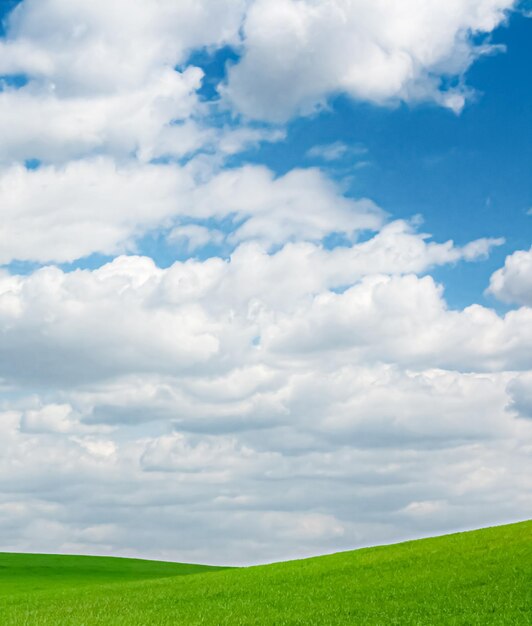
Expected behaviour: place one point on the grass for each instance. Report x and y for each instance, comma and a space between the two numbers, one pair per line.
29, 573
479, 577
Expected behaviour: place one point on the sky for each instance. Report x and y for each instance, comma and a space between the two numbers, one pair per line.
265, 274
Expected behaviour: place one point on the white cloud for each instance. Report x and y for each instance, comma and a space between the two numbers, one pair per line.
297, 53
332, 151
513, 282
301, 205
426, 508
102, 77
109, 47
62, 213
98, 448
405, 319
36, 123
52, 418
222, 459
76, 327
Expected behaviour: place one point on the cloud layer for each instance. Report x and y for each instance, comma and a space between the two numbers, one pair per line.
307, 418
298, 383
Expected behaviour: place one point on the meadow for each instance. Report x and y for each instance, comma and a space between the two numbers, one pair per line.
478, 577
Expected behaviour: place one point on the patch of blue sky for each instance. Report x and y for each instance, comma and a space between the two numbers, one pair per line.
21, 268
12, 81
338, 239
91, 262
32, 164
214, 63
6, 6
166, 250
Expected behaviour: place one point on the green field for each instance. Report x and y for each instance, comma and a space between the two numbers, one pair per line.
479, 577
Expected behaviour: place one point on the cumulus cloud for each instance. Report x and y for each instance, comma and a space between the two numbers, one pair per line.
37, 123
103, 77
194, 313
404, 318
297, 53
108, 47
513, 282
62, 213
301, 205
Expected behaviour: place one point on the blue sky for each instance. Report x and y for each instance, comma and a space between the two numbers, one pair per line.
225, 336
468, 175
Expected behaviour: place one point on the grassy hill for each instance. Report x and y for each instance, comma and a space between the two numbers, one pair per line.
480, 577
29, 573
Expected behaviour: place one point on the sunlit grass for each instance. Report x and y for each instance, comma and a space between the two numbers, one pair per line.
480, 577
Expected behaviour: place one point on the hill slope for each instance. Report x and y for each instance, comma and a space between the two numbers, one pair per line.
28, 573
479, 577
